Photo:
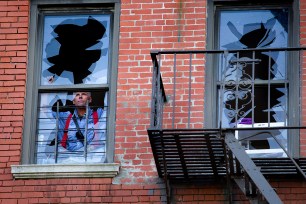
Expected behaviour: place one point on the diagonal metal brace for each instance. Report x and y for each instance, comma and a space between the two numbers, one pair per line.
251, 169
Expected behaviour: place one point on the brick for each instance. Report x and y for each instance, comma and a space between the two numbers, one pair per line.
11, 195
48, 200
6, 189
14, 83
106, 199
130, 199
117, 199
101, 181
19, 13
23, 188
16, 47
9, 201
7, 77
121, 193
8, 42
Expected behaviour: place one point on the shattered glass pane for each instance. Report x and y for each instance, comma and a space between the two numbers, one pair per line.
247, 97
268, 105
75, 49
53, 123
242, 29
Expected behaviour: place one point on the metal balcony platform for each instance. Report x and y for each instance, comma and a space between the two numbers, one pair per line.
188, 155
205, 155
194, 155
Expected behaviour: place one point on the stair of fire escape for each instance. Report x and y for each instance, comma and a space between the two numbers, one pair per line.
247, 175
249, 190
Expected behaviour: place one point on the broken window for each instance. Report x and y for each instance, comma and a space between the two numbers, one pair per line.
75, 52
253, 85
75, 49
70, 86
65, 136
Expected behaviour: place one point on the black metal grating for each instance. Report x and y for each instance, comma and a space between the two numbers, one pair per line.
279, 166
199, 155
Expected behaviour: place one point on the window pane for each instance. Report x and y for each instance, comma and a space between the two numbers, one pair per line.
260, 143
75, 49
242, 29
239, 107
268, 108
61, 129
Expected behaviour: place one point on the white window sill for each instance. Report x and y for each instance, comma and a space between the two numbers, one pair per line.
33, 171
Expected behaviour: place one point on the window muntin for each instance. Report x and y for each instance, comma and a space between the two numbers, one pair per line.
253, 86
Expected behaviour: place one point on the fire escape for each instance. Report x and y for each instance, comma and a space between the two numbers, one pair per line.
186, 151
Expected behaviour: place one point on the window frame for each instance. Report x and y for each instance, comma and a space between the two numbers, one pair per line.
33, 73
211, 96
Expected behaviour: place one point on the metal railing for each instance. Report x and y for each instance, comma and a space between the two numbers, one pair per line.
179, 79
251, 103
52, 126
179, 86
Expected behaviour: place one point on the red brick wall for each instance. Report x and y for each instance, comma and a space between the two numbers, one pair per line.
289, 191
76, 191
144, 25
13, 62
303, 77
